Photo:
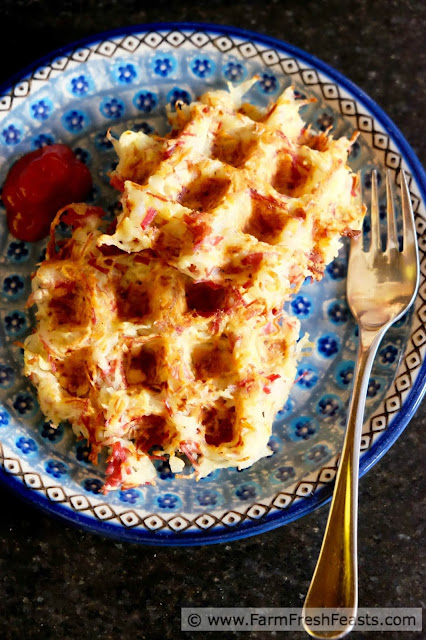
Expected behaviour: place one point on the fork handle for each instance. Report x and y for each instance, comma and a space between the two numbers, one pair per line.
334, 584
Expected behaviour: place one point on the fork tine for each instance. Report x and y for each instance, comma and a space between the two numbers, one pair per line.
392, 238
375, 219
357, 244
409, 226
355, 249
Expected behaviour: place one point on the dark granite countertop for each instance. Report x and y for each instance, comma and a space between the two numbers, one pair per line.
59, 582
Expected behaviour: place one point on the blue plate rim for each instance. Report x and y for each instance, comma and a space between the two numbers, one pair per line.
375, 452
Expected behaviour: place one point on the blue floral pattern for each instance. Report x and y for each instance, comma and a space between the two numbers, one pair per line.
82, 453
318, 453
56, 468
4, 418
15, 323
48, 432
246, 492
303, 428
18, 251
102, 143
164, 471
345, 374
80, 85
146, 101
302, 306
337, 269
93, 485
25, 404
284, 473
75, 121
207, 498
112, 108
235, 71
178, 95
41, 110
164, 65
7, 376
328, 345
82, 154
12, 134
338, 312
274, 443
13, 286
130, 496
268, 83
328, 406
388, 354
307, 377
126, 73
202, 67
42, 140
26, 445
168, 501
374, 387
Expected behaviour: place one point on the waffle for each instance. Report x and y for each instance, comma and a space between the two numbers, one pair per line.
166, 336
256, 203
132, 353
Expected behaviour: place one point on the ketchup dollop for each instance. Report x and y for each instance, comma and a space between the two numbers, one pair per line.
38, 185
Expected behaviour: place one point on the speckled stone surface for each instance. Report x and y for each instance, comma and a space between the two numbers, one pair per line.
59, 582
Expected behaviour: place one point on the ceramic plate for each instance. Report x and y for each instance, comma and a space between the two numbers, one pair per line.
124, 79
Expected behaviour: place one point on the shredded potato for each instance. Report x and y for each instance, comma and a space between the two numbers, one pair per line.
167, 335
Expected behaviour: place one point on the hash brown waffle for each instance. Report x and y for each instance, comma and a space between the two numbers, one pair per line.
257, 203
167, 336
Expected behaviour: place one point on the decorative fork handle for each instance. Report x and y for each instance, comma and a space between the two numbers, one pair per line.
334, 584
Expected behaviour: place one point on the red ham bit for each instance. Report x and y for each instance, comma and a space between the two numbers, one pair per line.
253, 259
150, 215
268, 328
117, 182
95, 265
199, 230
351, 233
114, 471
214, 241
191, 450
155, 195
75, 219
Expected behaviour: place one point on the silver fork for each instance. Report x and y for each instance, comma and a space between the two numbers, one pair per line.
381, 286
